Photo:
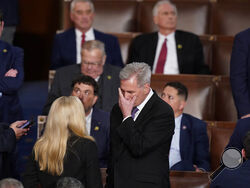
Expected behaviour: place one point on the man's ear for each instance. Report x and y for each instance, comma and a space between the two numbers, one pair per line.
104, 59
182, 105
94, 100
243, 152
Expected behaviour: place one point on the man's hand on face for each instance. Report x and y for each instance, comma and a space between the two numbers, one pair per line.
19, 131
11, 73
126, 105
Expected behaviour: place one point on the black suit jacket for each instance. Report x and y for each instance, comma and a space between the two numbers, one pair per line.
108, 86
139, 149
188, 47
80, 162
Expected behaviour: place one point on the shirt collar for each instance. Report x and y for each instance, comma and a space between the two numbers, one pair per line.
171, 36
140, 107
88, 34
178, 122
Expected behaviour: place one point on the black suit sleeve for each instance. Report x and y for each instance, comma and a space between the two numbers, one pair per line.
7, 139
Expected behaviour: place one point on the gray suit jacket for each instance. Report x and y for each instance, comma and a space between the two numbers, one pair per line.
108, 86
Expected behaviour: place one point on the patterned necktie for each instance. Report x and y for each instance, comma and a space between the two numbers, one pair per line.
162, 58
83, 39
135, 109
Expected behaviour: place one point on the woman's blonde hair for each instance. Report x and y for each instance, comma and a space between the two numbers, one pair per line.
66, 117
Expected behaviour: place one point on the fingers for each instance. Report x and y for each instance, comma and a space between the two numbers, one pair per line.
18, 123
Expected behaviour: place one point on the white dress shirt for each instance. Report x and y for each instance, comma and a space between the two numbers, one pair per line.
89, 35
174, 153
171, 65
88, 121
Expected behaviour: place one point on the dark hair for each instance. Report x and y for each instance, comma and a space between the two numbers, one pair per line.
69, 182
182, 90
246, 144
1, 15
86, 80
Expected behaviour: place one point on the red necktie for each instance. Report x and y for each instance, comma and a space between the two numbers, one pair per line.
83, 39
162, 58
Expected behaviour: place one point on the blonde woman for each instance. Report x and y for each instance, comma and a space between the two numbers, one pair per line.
65, 149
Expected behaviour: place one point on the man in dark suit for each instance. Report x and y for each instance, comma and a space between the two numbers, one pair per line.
8, 136
67, 45
240, 73
241, 129
168, 51
97, 121
141, 130
11, 79
93, 64
239, 177
189, 150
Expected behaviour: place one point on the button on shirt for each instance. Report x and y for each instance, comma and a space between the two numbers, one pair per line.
89, 35
174, 153
88, 121
171, 65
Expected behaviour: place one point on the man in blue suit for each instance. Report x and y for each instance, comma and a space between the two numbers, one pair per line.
11, 79
239, 177
67, 45
240, 73
189, 150
241, 129
97, 121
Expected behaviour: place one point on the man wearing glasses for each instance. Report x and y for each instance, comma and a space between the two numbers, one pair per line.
97, 121
93, 64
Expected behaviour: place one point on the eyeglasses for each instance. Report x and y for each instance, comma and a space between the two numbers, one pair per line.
78, 92
91, 63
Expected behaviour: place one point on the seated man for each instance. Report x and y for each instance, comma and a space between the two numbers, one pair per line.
11, 79
168, 51
97, 121
189, 148
93, 64
239, 177
67, 45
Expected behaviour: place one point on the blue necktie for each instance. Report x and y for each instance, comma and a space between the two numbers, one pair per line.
135, 109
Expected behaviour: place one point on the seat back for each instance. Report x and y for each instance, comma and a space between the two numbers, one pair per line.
221, 132
41, 121
180, 179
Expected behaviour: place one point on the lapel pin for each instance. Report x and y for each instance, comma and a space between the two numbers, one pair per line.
179, 46
109, 77
96, 128
4, 50
184, 127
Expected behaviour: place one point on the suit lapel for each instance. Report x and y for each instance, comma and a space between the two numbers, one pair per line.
179, 51
184, 136
95, 124
72, 44
152, 49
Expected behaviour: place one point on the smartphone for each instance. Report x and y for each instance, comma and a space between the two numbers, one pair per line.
27, 124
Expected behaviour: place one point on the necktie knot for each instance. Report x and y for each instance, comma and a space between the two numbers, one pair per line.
134, 110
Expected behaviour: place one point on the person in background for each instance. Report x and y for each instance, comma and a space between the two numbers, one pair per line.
64, 149
67, 45
168, 51
97, 121
239, 177
11, 19
240, 73
69, 182
11, 79
10, 183
93, 64
8, 136
189, 150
